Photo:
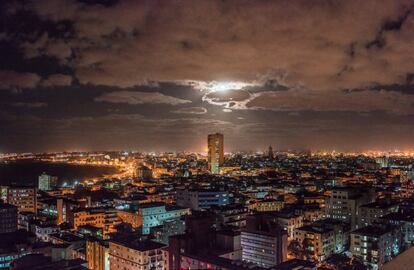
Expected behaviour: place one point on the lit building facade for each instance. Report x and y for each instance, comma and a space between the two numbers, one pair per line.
198, 199
404, 220
105, 218
150, 215
268, 205
370, 213
344, 204
215, 144
97, 254
136, 254
289, 222
47, 182
375, 245
317, 243
24, 198
263, 242
323, 238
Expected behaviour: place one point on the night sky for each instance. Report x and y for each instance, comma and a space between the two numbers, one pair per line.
161, 75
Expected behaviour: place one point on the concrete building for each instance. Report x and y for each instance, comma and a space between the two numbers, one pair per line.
8, 218
198, 199
370, 213
263, 242
168, 228
323, 238
97, 254
267, 205
288, 221
43, 230
375, 245
233, 215
24, 198
132, 253
150, 215
105, 218
47, 182
344, 203
405, 221
215, 144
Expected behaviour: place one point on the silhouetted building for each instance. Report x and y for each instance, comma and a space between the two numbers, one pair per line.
270, 154
8, 218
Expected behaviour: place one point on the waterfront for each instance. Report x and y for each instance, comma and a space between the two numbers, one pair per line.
26, 172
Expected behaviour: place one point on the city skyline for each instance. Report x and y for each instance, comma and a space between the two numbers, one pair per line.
160, 76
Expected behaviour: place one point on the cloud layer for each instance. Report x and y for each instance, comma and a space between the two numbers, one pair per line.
136, 97
309, 74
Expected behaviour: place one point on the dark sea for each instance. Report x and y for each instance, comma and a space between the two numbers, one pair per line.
27, 172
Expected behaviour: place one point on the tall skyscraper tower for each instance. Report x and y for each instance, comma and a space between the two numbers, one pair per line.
215, 152
270, 152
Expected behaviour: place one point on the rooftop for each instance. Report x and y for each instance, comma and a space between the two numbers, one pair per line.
380, 205
315, 229
373, 230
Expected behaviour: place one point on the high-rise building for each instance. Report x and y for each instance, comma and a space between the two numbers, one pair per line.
8, 218
47, 182
270, 152
215, 152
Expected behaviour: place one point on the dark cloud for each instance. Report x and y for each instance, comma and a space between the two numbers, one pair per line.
302, 73
191, 110
11, 79
135, 97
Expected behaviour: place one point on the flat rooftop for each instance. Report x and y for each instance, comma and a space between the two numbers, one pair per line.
372, 231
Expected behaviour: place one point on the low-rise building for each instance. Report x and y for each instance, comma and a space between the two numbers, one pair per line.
97, 254
370, 213
263, 242
131, 252
405, 221
148, 215
288, 221
267, 205
323, 238
105, 218
198, 199
24, 198
230, 215
344, 203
